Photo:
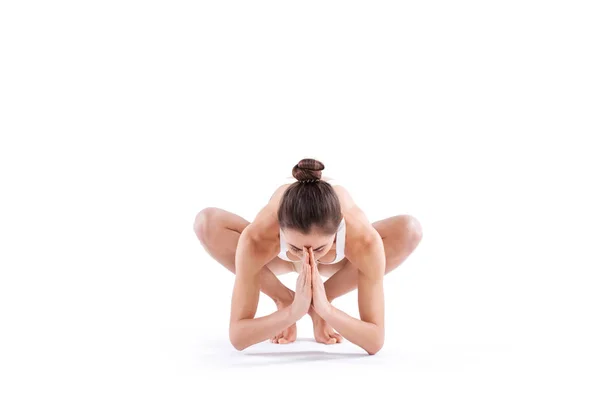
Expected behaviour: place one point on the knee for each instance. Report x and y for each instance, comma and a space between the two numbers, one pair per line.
416, 230
410, 230
203, 222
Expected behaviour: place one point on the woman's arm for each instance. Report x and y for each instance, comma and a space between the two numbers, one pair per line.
368, 331
244, 329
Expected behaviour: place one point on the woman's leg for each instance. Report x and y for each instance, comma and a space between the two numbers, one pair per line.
400, 234
219, 232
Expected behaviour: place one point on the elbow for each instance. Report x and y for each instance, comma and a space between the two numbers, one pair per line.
374, 349
238, 345
236, 339
376, 344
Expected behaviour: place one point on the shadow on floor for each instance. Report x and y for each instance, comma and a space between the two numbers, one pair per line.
283, 356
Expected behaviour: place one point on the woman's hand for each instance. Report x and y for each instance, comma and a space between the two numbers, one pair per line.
303, 297
319, 297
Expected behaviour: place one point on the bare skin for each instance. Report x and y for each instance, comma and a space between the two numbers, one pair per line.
371, 251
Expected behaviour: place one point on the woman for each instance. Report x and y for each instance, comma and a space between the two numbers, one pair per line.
313, 227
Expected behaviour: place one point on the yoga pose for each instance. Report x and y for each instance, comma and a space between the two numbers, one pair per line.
313, 227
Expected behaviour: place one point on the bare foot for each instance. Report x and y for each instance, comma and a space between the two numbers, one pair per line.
287, 335
324, 333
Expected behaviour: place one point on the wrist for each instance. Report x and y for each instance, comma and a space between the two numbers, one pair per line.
293, 314
312, 312
324, 310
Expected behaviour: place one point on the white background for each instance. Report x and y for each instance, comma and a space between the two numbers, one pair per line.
120, 120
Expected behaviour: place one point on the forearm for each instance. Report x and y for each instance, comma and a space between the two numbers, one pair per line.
364, 334
246, 332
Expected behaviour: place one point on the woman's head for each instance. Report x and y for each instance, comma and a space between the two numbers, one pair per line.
309, 212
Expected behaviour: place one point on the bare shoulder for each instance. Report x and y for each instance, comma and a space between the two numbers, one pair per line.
359, 230
364, 246
365, 250
264, 229
256, 245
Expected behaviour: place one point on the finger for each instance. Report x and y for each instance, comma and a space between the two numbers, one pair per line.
303, 269
313, 265
337, 337
308, 273
283, 341
303, 274
312, 257
302, 277
331, 341
306, 258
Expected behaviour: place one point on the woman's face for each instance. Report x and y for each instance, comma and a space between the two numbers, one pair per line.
321, 244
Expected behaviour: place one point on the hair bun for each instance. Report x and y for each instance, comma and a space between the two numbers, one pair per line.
308, 169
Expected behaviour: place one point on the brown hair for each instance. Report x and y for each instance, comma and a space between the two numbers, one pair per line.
310, 203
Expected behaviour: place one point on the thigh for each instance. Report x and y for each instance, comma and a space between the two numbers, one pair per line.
233, 222
229, 220
388, 230
388, 227
400, 235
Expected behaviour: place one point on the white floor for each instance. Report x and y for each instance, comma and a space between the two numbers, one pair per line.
426, 355
401, 369
120, 120
153, 324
